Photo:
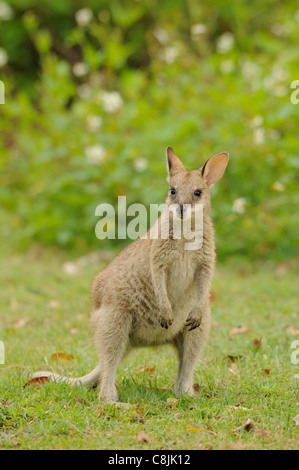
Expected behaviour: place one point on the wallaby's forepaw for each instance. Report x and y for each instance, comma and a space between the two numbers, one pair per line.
165, 321
192, 323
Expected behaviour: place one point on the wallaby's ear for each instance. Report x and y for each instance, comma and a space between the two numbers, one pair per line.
173, 162
214, 168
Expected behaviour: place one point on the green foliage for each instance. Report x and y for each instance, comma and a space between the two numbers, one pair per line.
200, 77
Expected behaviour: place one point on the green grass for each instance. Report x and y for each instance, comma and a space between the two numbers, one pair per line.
55, 416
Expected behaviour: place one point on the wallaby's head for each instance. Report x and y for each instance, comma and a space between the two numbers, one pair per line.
192, 187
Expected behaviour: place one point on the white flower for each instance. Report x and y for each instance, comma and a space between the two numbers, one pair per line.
112, 102
227, 66
198, 28
257, 121
93, 122
70, 268
259, 135
140, 164
161, 35
225, 42
80, 69
278, 29
3, 57
278, 186
95, 153
280, 90
276, 81
274, 134
279, 74
250, 69
84, 91
83, 16
239, 205
170, 54
6, 12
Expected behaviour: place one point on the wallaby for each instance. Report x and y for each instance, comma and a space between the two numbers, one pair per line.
155, 291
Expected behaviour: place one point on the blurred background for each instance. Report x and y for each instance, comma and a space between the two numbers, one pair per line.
96, 90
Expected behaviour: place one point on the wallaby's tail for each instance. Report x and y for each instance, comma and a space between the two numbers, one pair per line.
92, 378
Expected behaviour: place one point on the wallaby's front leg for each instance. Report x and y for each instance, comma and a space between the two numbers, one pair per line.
159, 277
203, 277
190, 346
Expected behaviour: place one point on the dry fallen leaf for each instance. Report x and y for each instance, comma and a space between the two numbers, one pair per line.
21, 323
61, 356
234, 357
195, 430
196, 387
142, 437
138, 410
119, 405
137, 419
82, 401
171, 401
267, 371
281, 269
36, 382
293, 331
200, 430
257, 342
233, 407
238, 404
70, 268
233, 368
296, 419
147, 369
239, 446
239, 330
248, 426
263, 432
103, 414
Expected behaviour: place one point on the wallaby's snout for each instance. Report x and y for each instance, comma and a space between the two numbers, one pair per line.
181, 210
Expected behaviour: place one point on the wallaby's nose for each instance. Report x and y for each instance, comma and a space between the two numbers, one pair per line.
181, 210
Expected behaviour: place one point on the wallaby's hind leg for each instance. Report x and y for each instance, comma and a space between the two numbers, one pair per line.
190, 345
111, 338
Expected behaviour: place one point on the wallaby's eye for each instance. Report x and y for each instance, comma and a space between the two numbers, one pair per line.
197, 192
172, 191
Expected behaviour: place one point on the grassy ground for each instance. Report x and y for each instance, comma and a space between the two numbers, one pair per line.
243, 376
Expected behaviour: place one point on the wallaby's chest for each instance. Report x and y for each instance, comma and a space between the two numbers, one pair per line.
181, 274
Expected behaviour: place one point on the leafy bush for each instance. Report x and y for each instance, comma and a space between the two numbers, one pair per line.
96, 90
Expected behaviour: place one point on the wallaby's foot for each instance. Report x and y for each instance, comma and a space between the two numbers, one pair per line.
108, 394
184, 388
165, 321
192, 322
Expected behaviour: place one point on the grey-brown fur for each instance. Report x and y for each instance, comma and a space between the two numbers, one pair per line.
155, 291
